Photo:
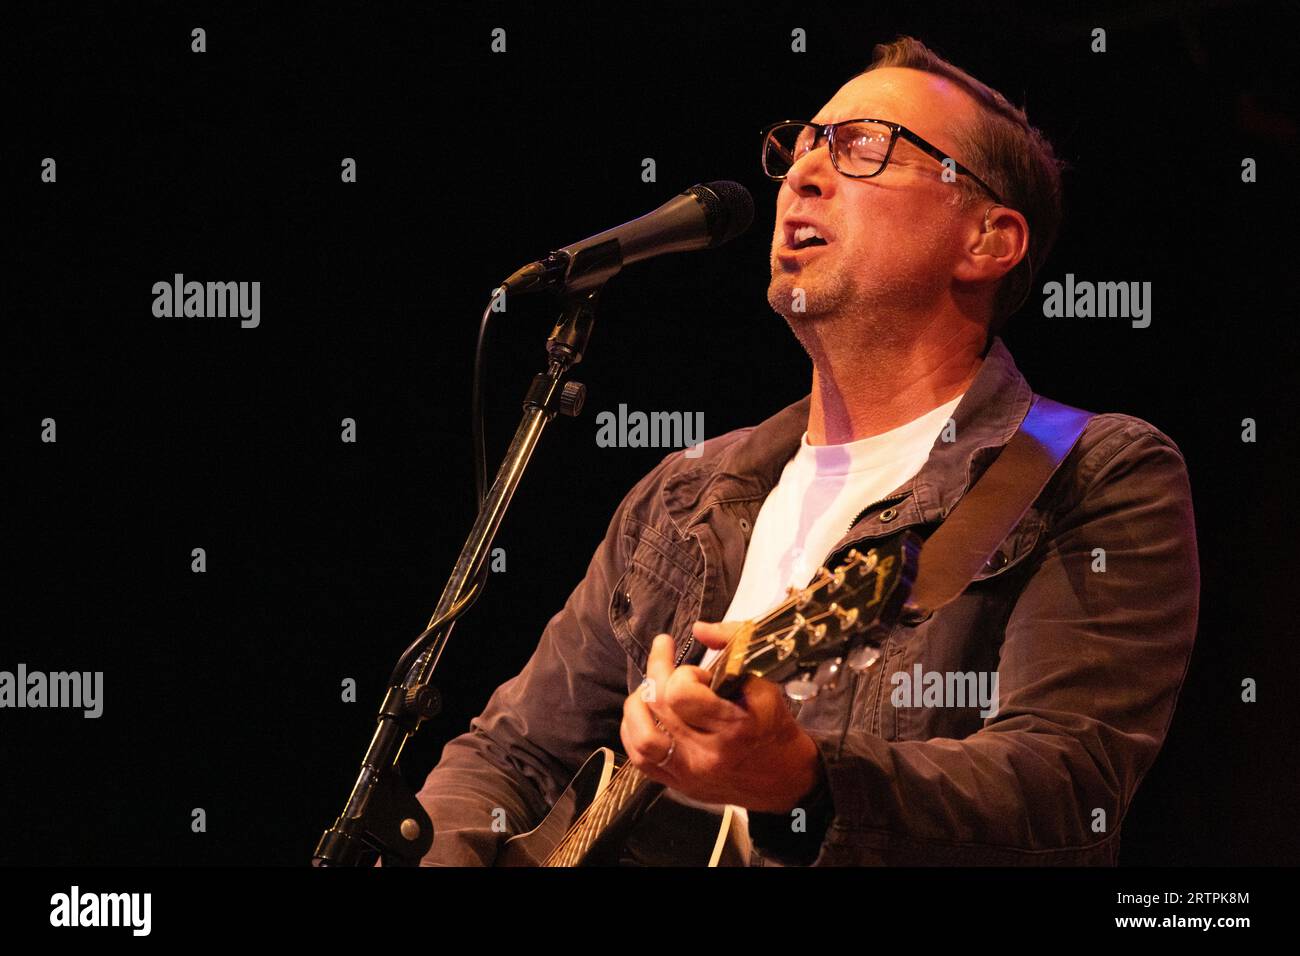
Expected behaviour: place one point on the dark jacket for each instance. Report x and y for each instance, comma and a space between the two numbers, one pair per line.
1087, 613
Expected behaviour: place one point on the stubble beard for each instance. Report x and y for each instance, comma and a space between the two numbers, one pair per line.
836, 309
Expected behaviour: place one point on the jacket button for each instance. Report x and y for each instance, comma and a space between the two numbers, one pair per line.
744, 525
889, 514
912, 615
997, 562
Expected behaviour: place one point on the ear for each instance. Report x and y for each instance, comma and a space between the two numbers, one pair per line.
998, 239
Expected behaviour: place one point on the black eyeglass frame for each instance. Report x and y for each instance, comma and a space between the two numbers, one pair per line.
827, 131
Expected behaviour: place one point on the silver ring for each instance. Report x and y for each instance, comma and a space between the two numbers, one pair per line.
672, 745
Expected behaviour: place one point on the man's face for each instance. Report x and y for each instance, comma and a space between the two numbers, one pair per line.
891, 240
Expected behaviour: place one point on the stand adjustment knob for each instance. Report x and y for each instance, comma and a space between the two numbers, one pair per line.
423, 701
571, 398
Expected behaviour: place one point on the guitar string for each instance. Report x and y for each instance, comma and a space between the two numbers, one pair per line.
765, 645
763, 642
589, 823
585, 822
616, 792
585, 828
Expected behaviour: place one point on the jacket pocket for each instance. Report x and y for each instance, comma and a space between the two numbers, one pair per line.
656, 594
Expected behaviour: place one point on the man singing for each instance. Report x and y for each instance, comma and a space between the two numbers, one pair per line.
913, 210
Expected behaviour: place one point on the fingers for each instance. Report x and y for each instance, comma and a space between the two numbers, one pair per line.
665, 686
765, 703
678, 732
716, 635
658, 668
682, 697
643, 740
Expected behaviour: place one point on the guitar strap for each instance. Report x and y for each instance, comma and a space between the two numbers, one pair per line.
990, 511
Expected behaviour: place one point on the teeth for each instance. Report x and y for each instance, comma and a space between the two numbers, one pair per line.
804, 233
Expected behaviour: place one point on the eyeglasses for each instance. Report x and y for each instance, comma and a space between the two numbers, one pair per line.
860, 148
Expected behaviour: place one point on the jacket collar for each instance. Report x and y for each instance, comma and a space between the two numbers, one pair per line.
749, 467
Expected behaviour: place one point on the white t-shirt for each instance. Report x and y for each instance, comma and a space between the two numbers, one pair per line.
821, 490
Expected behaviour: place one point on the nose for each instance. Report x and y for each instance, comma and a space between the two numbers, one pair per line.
813, 174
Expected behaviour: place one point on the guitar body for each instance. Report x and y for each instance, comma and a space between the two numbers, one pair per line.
533, 847
657, 830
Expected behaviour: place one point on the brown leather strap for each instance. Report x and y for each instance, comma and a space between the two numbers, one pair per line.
994, 506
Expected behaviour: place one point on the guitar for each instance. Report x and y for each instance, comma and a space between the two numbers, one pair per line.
613, 814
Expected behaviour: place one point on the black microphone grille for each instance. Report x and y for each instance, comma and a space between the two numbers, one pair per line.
728, 209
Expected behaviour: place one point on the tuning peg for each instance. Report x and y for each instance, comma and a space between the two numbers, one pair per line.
816, 632
848, 618
801, 596
866, 563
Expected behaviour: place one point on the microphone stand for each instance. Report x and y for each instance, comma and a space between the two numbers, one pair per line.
382, 814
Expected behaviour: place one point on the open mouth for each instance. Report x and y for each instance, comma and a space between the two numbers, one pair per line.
803, 237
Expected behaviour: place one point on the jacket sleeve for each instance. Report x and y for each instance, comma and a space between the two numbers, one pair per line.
499, 778
1089, 671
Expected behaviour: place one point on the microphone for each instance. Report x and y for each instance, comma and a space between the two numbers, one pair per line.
703, 216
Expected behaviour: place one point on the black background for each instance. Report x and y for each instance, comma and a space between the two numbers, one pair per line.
222, 690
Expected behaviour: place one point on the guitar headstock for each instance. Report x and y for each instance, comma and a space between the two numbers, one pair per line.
842, 615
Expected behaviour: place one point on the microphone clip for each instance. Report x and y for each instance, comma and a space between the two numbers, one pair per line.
544, 275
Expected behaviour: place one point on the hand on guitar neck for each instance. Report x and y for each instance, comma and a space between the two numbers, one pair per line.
724, 735
748, 752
